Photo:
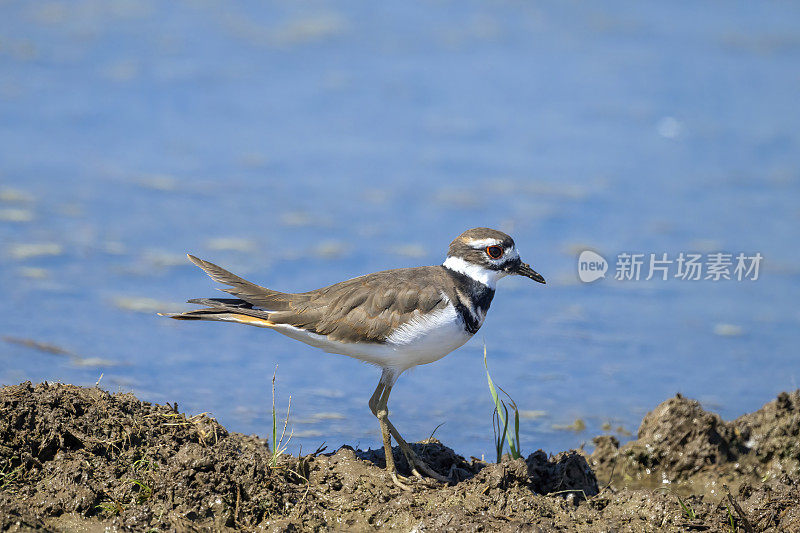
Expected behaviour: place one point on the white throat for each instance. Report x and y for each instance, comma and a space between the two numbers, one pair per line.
478, 273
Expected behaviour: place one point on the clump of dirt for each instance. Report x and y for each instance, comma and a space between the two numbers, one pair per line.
681, 443
81, 458
772, 435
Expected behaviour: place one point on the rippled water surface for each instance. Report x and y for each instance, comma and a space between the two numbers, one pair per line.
299, 144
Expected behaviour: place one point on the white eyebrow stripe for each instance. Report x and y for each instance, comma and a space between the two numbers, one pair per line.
482, 243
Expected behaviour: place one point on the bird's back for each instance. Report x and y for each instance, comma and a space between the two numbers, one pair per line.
370, 307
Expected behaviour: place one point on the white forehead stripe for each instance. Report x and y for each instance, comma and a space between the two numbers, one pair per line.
483, 243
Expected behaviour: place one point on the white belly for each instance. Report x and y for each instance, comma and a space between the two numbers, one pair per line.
422, 340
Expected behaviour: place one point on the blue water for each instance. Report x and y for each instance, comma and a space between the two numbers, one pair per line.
299, 144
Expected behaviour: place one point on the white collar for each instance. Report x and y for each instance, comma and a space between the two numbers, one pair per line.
478, 273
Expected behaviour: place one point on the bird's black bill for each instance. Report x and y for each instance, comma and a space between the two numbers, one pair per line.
525, 269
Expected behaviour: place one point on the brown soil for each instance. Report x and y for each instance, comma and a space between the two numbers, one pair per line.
81, 459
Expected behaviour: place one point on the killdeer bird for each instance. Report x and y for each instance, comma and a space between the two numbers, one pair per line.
395, 319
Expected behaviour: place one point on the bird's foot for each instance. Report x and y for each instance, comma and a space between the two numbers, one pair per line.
396, 479
415, 464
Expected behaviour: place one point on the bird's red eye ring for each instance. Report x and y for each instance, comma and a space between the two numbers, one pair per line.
495, 252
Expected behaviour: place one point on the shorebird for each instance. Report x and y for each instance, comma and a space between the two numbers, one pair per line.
394, 319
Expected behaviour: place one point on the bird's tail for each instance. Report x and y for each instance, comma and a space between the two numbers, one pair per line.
225, 310
253, 305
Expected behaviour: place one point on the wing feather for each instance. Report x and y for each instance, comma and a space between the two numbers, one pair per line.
255, 294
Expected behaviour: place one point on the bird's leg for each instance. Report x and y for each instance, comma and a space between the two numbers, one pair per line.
412, 458
382, 415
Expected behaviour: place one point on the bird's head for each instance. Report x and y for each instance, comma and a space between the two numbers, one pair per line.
487, 255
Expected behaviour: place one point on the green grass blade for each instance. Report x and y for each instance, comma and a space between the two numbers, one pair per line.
515, 452
499, 436
498, 403
505, 428
274, 450
513, 441
687, 511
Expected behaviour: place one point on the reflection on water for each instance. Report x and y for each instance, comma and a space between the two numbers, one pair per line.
302, 144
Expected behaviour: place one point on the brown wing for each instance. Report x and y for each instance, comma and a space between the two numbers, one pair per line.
367, 308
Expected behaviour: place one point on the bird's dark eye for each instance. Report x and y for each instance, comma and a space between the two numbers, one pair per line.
495, 252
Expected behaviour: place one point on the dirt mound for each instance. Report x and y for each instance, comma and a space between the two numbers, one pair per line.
772, 435
74, 458
679, 442
67, 451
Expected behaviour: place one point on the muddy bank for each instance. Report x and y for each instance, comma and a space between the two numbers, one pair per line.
81, 458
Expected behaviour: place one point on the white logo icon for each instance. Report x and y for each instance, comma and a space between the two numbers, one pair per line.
591, 266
